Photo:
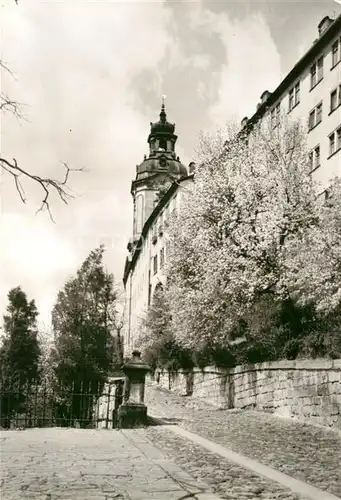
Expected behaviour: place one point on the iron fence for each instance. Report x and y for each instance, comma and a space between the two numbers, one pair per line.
45, 403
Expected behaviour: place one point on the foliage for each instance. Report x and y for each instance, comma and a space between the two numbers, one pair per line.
157, 341
254, 254
217, 355
227, 243
20, 351
84, 351
313, 262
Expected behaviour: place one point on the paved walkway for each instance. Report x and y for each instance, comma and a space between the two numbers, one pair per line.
169, 462
307, 453
51, 464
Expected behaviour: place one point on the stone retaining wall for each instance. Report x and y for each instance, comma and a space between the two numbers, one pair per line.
309, 390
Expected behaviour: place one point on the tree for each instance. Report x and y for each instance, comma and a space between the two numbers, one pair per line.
317, 254
228, 244
20, 349
157, 340
84, 351
19, 354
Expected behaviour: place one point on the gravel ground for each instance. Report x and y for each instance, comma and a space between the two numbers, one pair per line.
228, 481
308, 453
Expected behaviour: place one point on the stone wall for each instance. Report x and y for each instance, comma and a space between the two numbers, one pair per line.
309, 390
107, 403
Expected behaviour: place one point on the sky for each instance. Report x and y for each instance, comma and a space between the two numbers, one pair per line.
89, 76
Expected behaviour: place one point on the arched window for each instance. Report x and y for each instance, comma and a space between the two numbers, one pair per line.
139, 213
163, 144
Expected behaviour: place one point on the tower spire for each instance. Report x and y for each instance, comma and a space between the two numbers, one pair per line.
163, 116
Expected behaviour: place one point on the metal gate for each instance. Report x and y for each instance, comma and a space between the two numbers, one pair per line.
45, 403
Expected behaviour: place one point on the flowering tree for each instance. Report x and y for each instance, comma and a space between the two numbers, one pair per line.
228, 245
157, 340
313, 263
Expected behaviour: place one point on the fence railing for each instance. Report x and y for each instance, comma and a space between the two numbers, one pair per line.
45, 403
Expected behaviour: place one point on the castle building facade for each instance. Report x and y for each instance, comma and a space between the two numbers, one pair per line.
156, 192
311, 91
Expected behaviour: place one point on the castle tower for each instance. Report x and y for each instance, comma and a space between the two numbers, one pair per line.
156, 173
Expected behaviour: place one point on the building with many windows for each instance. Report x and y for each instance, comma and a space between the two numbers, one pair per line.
311, 91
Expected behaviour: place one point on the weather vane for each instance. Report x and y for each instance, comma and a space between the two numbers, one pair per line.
163, 99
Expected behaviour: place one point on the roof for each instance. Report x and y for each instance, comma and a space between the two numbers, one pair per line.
161, 162
297, 70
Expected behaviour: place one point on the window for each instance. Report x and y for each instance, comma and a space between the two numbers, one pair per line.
291, 99
163, 144
174, 202
316, 72
297, 93
275, 115
332, 144
139, 213
336, 52
314, 158
294, 96
162, 257
335, 141
313, 76
335, 99
315, 116
319, 69
149, 289
319, 113
155, 264
154, 234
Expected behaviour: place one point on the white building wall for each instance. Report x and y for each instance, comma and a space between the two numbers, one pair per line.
330, 166
141, 285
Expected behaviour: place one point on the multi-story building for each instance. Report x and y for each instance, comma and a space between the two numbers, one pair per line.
311, 91
156, 192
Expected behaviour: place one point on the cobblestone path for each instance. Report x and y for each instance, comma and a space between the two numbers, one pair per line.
51, 464
307, 453
229, 481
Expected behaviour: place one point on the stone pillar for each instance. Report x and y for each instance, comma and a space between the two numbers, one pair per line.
133, 412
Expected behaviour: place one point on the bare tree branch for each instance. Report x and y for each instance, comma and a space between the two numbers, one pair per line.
6, 104
47, 184
4, 66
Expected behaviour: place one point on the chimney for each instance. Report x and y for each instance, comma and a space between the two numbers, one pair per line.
244, 121
324, 25
258, 106
265, 96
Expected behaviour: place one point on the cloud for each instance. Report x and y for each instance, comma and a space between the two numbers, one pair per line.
31, 255
73, 62
91, 75
252, 62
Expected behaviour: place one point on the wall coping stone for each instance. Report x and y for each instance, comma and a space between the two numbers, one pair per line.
298, 364
284, 364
